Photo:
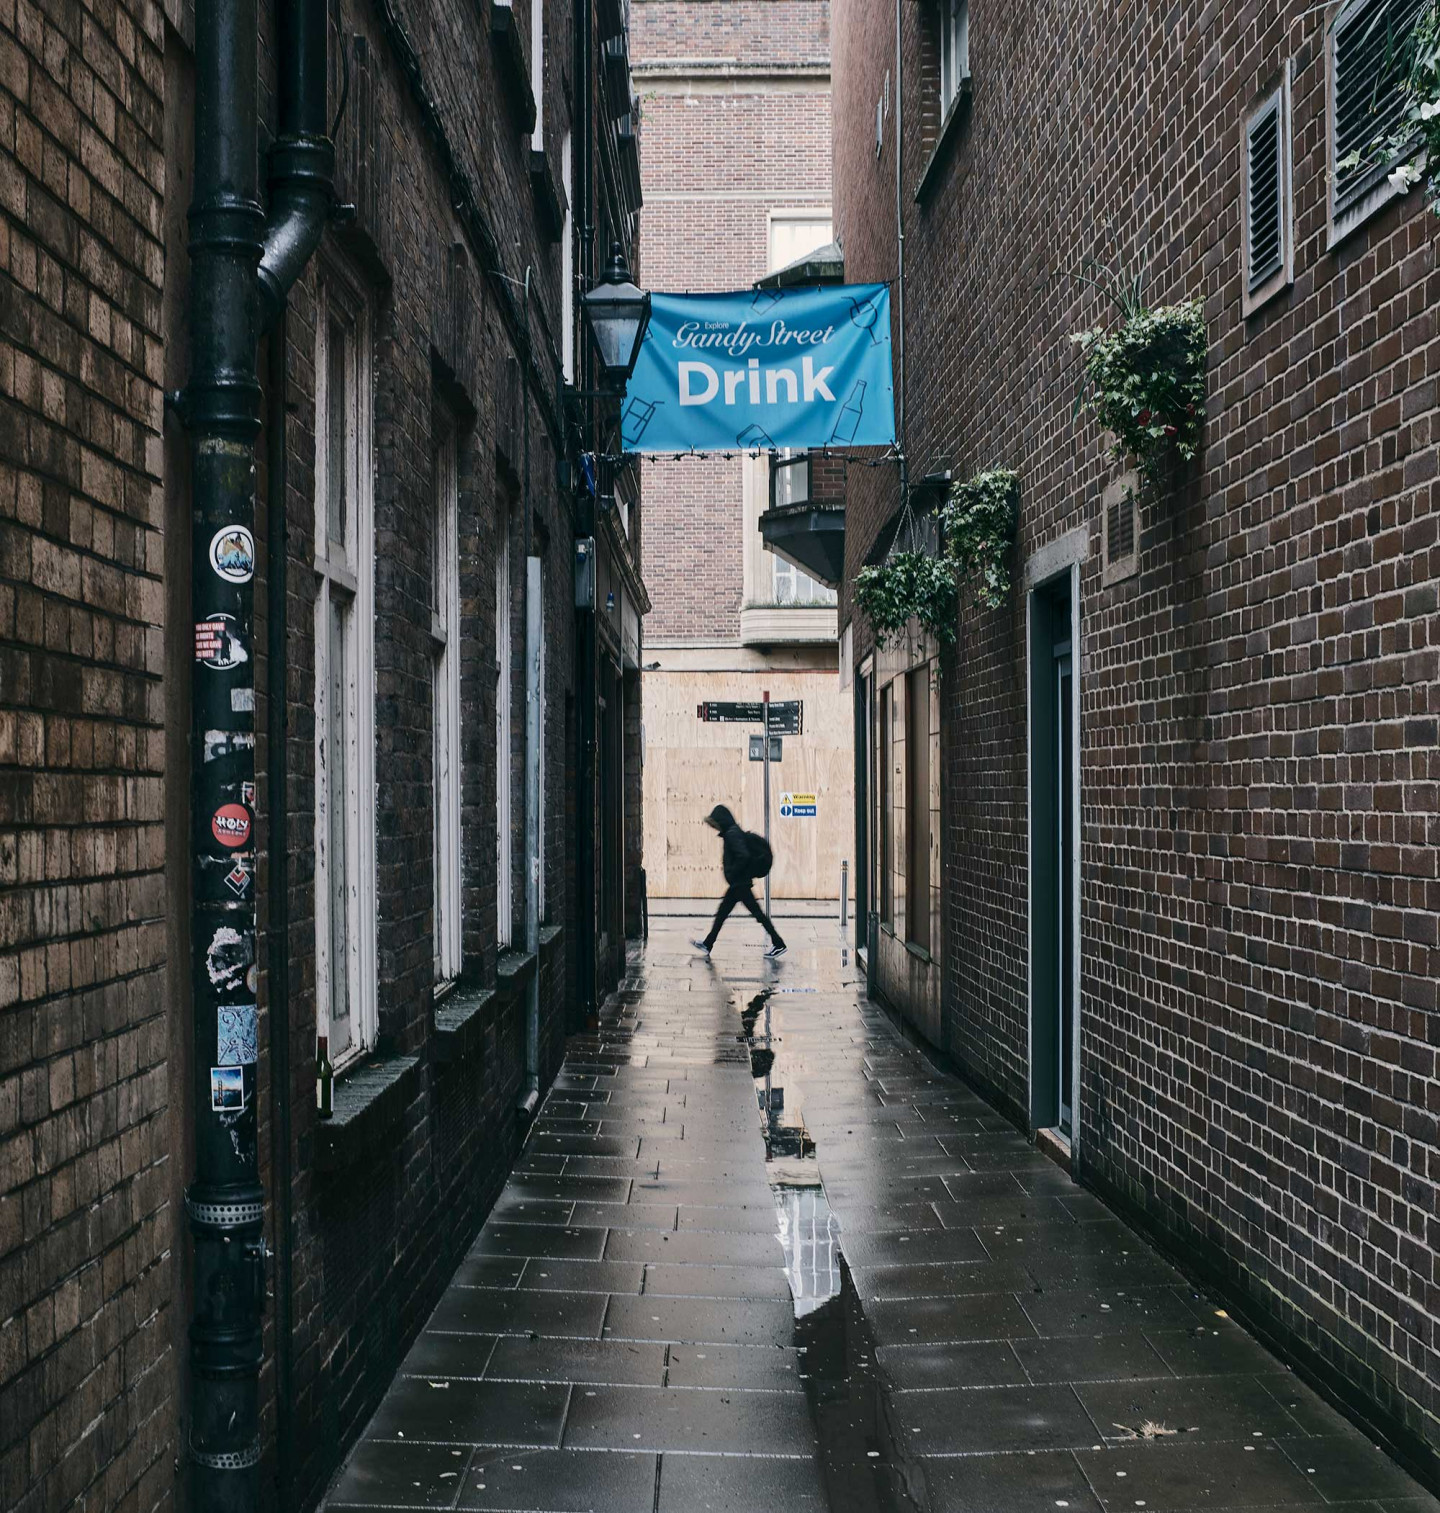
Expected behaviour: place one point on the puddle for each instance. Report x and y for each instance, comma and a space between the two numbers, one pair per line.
863, 1453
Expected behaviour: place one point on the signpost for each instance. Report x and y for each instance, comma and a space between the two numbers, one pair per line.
780, 719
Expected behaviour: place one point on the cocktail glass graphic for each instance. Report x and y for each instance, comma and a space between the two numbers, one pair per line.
764, 299
755, 438
847, 422
865, 313
635, 420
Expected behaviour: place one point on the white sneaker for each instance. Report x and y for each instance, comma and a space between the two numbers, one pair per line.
775, 951
701, 947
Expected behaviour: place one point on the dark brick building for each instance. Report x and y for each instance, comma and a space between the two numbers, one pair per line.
420, 399
1152, 852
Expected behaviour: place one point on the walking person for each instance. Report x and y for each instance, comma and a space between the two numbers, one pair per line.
744, 858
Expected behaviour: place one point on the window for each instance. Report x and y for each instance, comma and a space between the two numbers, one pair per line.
445, 685
537, 73
1368, 63
344, 675
792, 586
917, 807
1267, 206
567, 269
504, 834
793, 233
885, 802
954, 51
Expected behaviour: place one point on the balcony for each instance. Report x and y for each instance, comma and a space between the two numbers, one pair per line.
804, 523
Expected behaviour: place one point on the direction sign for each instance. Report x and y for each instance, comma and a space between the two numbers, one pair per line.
785, 719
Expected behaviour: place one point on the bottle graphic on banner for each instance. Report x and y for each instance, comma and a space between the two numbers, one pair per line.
848, 421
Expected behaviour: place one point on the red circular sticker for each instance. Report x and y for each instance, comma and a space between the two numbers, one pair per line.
231, 824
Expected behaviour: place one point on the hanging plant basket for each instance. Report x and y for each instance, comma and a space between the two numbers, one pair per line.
979, 522
910, 585
1146, 383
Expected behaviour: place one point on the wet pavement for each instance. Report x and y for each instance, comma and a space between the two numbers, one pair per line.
759, 1254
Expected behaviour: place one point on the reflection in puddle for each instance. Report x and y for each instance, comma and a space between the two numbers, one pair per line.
810, 1236
866, 1462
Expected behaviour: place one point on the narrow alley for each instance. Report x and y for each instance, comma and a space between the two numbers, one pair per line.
880, 1296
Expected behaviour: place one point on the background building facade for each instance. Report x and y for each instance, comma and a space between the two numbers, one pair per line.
737, 186
1182, 788
419, 482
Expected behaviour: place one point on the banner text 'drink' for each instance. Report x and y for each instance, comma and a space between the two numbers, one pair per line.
763, 370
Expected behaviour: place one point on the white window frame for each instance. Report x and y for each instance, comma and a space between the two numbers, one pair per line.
1343, 221
504, 748
445, 685
799, 215
347, 578
804, 592
954, 52
537, 72
567, 268
1277, 102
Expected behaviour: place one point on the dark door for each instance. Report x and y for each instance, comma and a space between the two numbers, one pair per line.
1053, 873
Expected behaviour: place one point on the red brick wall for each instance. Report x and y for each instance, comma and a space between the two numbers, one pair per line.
1258, 720
716, 159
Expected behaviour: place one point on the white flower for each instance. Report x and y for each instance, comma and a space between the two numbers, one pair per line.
1429, 109
1403, 177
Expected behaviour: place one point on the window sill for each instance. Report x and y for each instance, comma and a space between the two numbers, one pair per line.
369, 1103
460, 1025
550, 203
512, 973
919, 952
1347, 222
940, 153
800, 624
505, 32
550, 937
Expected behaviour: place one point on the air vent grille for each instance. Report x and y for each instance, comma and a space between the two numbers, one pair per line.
1265, 188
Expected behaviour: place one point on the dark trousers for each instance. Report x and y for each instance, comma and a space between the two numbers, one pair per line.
740, 893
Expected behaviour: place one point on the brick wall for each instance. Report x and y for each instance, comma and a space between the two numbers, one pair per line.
87, 1376
96, 651
1258, 703
717, 159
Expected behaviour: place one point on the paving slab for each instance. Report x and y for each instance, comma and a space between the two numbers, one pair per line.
955, 1327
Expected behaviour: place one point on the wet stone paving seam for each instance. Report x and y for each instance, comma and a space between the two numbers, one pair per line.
759, 1253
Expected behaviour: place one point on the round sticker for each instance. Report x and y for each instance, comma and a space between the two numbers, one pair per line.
232, 554
230, 824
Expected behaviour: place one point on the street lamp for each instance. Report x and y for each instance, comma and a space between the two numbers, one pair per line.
617, 314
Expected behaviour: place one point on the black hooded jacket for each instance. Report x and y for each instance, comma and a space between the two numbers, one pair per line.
735, 860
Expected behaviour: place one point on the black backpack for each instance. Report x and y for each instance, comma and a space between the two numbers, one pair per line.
762, 858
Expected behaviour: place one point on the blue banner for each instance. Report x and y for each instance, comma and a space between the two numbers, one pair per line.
762, 370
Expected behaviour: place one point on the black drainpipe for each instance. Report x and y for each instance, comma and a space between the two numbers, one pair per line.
221, 408
585, 527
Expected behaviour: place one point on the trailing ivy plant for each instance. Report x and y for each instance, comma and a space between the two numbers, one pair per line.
908, 585
1414, 139
1145, 377
979, 521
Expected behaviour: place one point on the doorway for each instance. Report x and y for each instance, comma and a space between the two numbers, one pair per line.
1054, 854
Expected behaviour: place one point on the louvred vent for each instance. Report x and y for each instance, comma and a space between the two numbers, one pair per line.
1263, 186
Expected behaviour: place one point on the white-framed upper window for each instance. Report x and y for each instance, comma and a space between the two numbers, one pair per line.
345, 995
537, 72
1367, 62
793, 233
792, 586
504, 685
1267, 203
954, 51
445, 694
567, 269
